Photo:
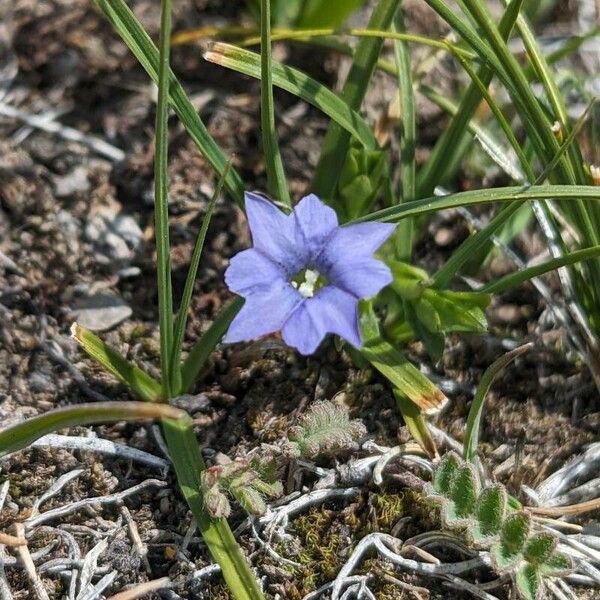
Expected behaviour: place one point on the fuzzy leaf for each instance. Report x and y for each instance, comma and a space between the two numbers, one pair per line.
489, 514
325, 429
250, 500
512, 541
216, 503
529, 582
557, 564
464, 490
445, 472
539, 548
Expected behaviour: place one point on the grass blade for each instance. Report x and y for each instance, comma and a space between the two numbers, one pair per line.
405, 231
297, 83
203, 347
471, 441
416, 423
336, 143
443, 156
188, 290
19, 436
513, 279
274, 164
183, 447
500, 194
398, 370
161, 201
140, 44
144, 386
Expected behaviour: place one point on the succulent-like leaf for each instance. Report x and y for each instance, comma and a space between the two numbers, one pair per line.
489, 515
509, 550
325, 430
445, 473
558, 564
529, 582
539, 548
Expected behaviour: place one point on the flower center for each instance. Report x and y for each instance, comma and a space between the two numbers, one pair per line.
308, 282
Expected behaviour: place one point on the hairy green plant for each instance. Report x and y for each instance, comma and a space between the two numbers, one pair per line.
246, 481
482, 513
324, 430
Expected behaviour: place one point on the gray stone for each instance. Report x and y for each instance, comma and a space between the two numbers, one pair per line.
102, 311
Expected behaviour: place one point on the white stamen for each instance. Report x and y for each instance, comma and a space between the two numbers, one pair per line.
307, 287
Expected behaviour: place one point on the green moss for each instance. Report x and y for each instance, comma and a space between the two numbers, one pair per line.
323, 535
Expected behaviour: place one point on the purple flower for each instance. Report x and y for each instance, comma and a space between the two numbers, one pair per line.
305, 274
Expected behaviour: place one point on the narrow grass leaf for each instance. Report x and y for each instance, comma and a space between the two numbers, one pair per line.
140, 383
187, 460
203, 347
514, 279
188, 289
161, 201
337, 140
140, 44
297, 83
444, 158
408, 134
273, 162
19, 436
471, 441
478, 197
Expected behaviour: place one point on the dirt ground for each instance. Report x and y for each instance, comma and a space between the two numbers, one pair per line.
76, 233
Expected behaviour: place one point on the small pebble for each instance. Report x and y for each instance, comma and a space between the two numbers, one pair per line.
102, 312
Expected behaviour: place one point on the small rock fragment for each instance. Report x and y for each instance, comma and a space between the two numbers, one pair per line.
102, 312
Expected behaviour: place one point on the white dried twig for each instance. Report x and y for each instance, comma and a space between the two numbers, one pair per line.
55, 488
68, 133
142, 589
61, 511
36, 583
101, 446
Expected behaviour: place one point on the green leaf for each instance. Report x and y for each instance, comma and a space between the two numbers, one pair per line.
325, 13
459, 311
188, 289
464, 489
325, 430
336, 142
426, 324
539, 548
140, 44
515, 531
273, 162
471, 441
445, 472
529, 583
416, 423
489, 514
514, 279
138, 381
557, 565
297, 83
188, 462
203, 347
19, 436
480, 197
161, 202
401, 373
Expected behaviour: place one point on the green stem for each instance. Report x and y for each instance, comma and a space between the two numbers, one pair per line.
188, 463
